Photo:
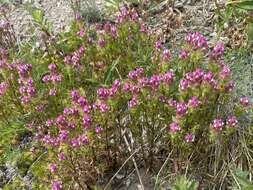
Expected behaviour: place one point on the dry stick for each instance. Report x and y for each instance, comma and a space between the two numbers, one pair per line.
119, 185
107, 186
164, 164
236, 181
135, 165
186, 171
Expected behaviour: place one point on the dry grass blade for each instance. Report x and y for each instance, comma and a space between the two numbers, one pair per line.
164, 164
135, 164
122, 166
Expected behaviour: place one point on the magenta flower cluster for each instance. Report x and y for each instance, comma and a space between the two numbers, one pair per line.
74, 59
127, 14
197, 40
138, 82
218, 50
3, 88
27, 88
54, 76
68, 122
218, 124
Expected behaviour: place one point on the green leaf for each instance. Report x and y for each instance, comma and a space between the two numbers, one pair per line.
250, 32
242, 178
244, 4
109, 72
183, 183
38, 15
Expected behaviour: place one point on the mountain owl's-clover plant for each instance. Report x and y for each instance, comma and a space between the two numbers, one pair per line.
97, 85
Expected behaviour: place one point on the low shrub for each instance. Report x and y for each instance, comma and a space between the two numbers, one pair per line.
95, 95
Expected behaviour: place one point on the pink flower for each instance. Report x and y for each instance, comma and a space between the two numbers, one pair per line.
72, 125
158, 45
184, 54
198, 75
230, 86
135, 89
83, 139
126, 87
107, 27
81, 33
63, 136
114, 31
218, 124
56, 78
75, 95
184, 84
75, 142
166, 55
67, 111
57, 185
67, 60
82, 101
225, 72
115, 88
86, 121
31, 91
174, 127
232, 121
49, 123
244, 101
52, 67
218, 50
172, 103
103, 107
22, 89
189, 137
101, 42
98, 130
46, 139
24, 69
135, 74
143, 27
81, 50
52, 92
61, 120
103, 93
46, 78
181, 109
208, 76
53, 168
3, 88
123, 15
155, 81
133, 102
162, 99
168, 77
25, 99
61, 156
86, 109
134, 15
197, 40
144, 82
194, 102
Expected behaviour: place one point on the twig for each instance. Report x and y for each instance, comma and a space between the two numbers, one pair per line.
135, 165
110, 181
35, 161
164, 164
236, 181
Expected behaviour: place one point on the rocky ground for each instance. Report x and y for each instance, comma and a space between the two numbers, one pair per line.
171, 21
